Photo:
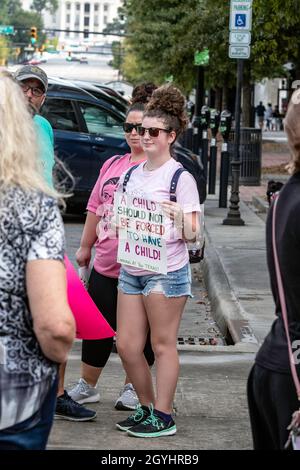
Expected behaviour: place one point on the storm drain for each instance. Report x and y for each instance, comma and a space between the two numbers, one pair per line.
199, 341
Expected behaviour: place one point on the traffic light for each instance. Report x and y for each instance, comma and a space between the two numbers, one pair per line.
33, 34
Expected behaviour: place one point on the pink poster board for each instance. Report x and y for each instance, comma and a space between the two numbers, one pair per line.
90, 323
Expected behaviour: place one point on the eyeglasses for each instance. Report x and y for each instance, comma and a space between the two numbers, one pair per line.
34, 90
128, 127
153, 131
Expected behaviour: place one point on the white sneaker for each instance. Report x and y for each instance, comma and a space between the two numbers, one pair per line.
82, 392
128, 399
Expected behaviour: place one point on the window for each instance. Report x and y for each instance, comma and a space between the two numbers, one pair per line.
67, 32
105, 19
99, 121
78, 6
60, 114
86, 8
96, 7
68, 6
105, 7
68, 18
77, 20
86, 21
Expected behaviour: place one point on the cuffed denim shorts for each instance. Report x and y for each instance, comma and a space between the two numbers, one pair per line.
173, 284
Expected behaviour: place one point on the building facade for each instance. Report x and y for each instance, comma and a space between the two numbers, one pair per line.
80, 15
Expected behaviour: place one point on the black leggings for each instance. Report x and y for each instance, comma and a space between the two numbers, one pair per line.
272, 399
104, 292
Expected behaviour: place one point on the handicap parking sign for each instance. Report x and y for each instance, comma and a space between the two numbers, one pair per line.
240, 20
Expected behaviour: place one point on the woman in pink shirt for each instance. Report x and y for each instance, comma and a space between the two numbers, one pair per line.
154, 300
104, 276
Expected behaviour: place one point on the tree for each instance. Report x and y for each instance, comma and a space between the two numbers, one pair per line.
163, 38
41, 5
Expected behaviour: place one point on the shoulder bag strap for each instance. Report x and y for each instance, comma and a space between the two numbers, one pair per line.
283, 302
127, 176
174, 182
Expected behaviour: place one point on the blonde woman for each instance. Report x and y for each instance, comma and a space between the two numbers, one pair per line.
36, 324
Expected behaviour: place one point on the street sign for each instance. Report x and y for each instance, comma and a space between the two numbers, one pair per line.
239, 52
4, 29
201, 58
242, 38
240, 15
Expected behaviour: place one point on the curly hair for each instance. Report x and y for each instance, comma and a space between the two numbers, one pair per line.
168, 103
141, 94
292, 129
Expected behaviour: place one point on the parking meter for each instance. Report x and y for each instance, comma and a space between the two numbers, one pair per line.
225, 124
204, 123
214, 124
205, 120
225, 128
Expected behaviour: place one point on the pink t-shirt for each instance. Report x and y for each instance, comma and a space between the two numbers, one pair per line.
101, 203
155, 185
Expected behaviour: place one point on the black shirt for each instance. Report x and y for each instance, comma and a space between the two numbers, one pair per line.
273, 354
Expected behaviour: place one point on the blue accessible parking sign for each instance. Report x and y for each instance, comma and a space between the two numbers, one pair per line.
240, 20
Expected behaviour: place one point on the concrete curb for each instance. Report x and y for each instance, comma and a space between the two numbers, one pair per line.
228, 311
260, 204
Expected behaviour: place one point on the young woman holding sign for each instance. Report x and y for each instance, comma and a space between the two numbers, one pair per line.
104, 277
155, 301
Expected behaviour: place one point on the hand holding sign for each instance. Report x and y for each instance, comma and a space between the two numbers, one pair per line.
174, 211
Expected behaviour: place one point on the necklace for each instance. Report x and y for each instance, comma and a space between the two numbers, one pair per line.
149, 169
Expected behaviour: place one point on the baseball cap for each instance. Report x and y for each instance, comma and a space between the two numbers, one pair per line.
32, 71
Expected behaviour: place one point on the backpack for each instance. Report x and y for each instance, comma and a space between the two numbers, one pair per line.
195, 254
193, 164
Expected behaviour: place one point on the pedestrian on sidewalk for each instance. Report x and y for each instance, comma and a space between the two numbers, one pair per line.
268, 117
260, 111
272, 396
150, 300
36, 325
34, 84
104, 276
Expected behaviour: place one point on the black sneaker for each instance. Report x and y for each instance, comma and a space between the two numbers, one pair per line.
142, 412
66, 408
153, 426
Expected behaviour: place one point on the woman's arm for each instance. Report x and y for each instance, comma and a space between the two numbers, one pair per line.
88, 238
188, 224
53, 321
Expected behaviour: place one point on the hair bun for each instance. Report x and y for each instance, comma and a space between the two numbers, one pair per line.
168, 99
142, 93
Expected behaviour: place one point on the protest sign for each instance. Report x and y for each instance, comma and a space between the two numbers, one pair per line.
141, 225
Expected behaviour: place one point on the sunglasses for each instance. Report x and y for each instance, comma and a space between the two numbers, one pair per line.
128, 127
153, 131
34, 90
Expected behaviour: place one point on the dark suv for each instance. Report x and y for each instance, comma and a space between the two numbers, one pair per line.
87, 131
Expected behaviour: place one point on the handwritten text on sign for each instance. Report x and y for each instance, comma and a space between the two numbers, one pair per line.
141, 233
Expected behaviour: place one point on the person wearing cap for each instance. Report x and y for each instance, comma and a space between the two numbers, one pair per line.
34, 83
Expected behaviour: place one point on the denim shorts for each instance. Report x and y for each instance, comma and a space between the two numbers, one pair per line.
173, 284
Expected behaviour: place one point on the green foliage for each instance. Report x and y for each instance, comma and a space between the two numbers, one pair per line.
163, 37
40, 5
25, 20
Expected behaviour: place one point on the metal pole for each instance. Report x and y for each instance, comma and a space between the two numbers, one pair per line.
212, 167
224, 173
198, 106
234, 216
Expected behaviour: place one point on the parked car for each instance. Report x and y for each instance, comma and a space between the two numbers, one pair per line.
102, 93
83, 60
87, 131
